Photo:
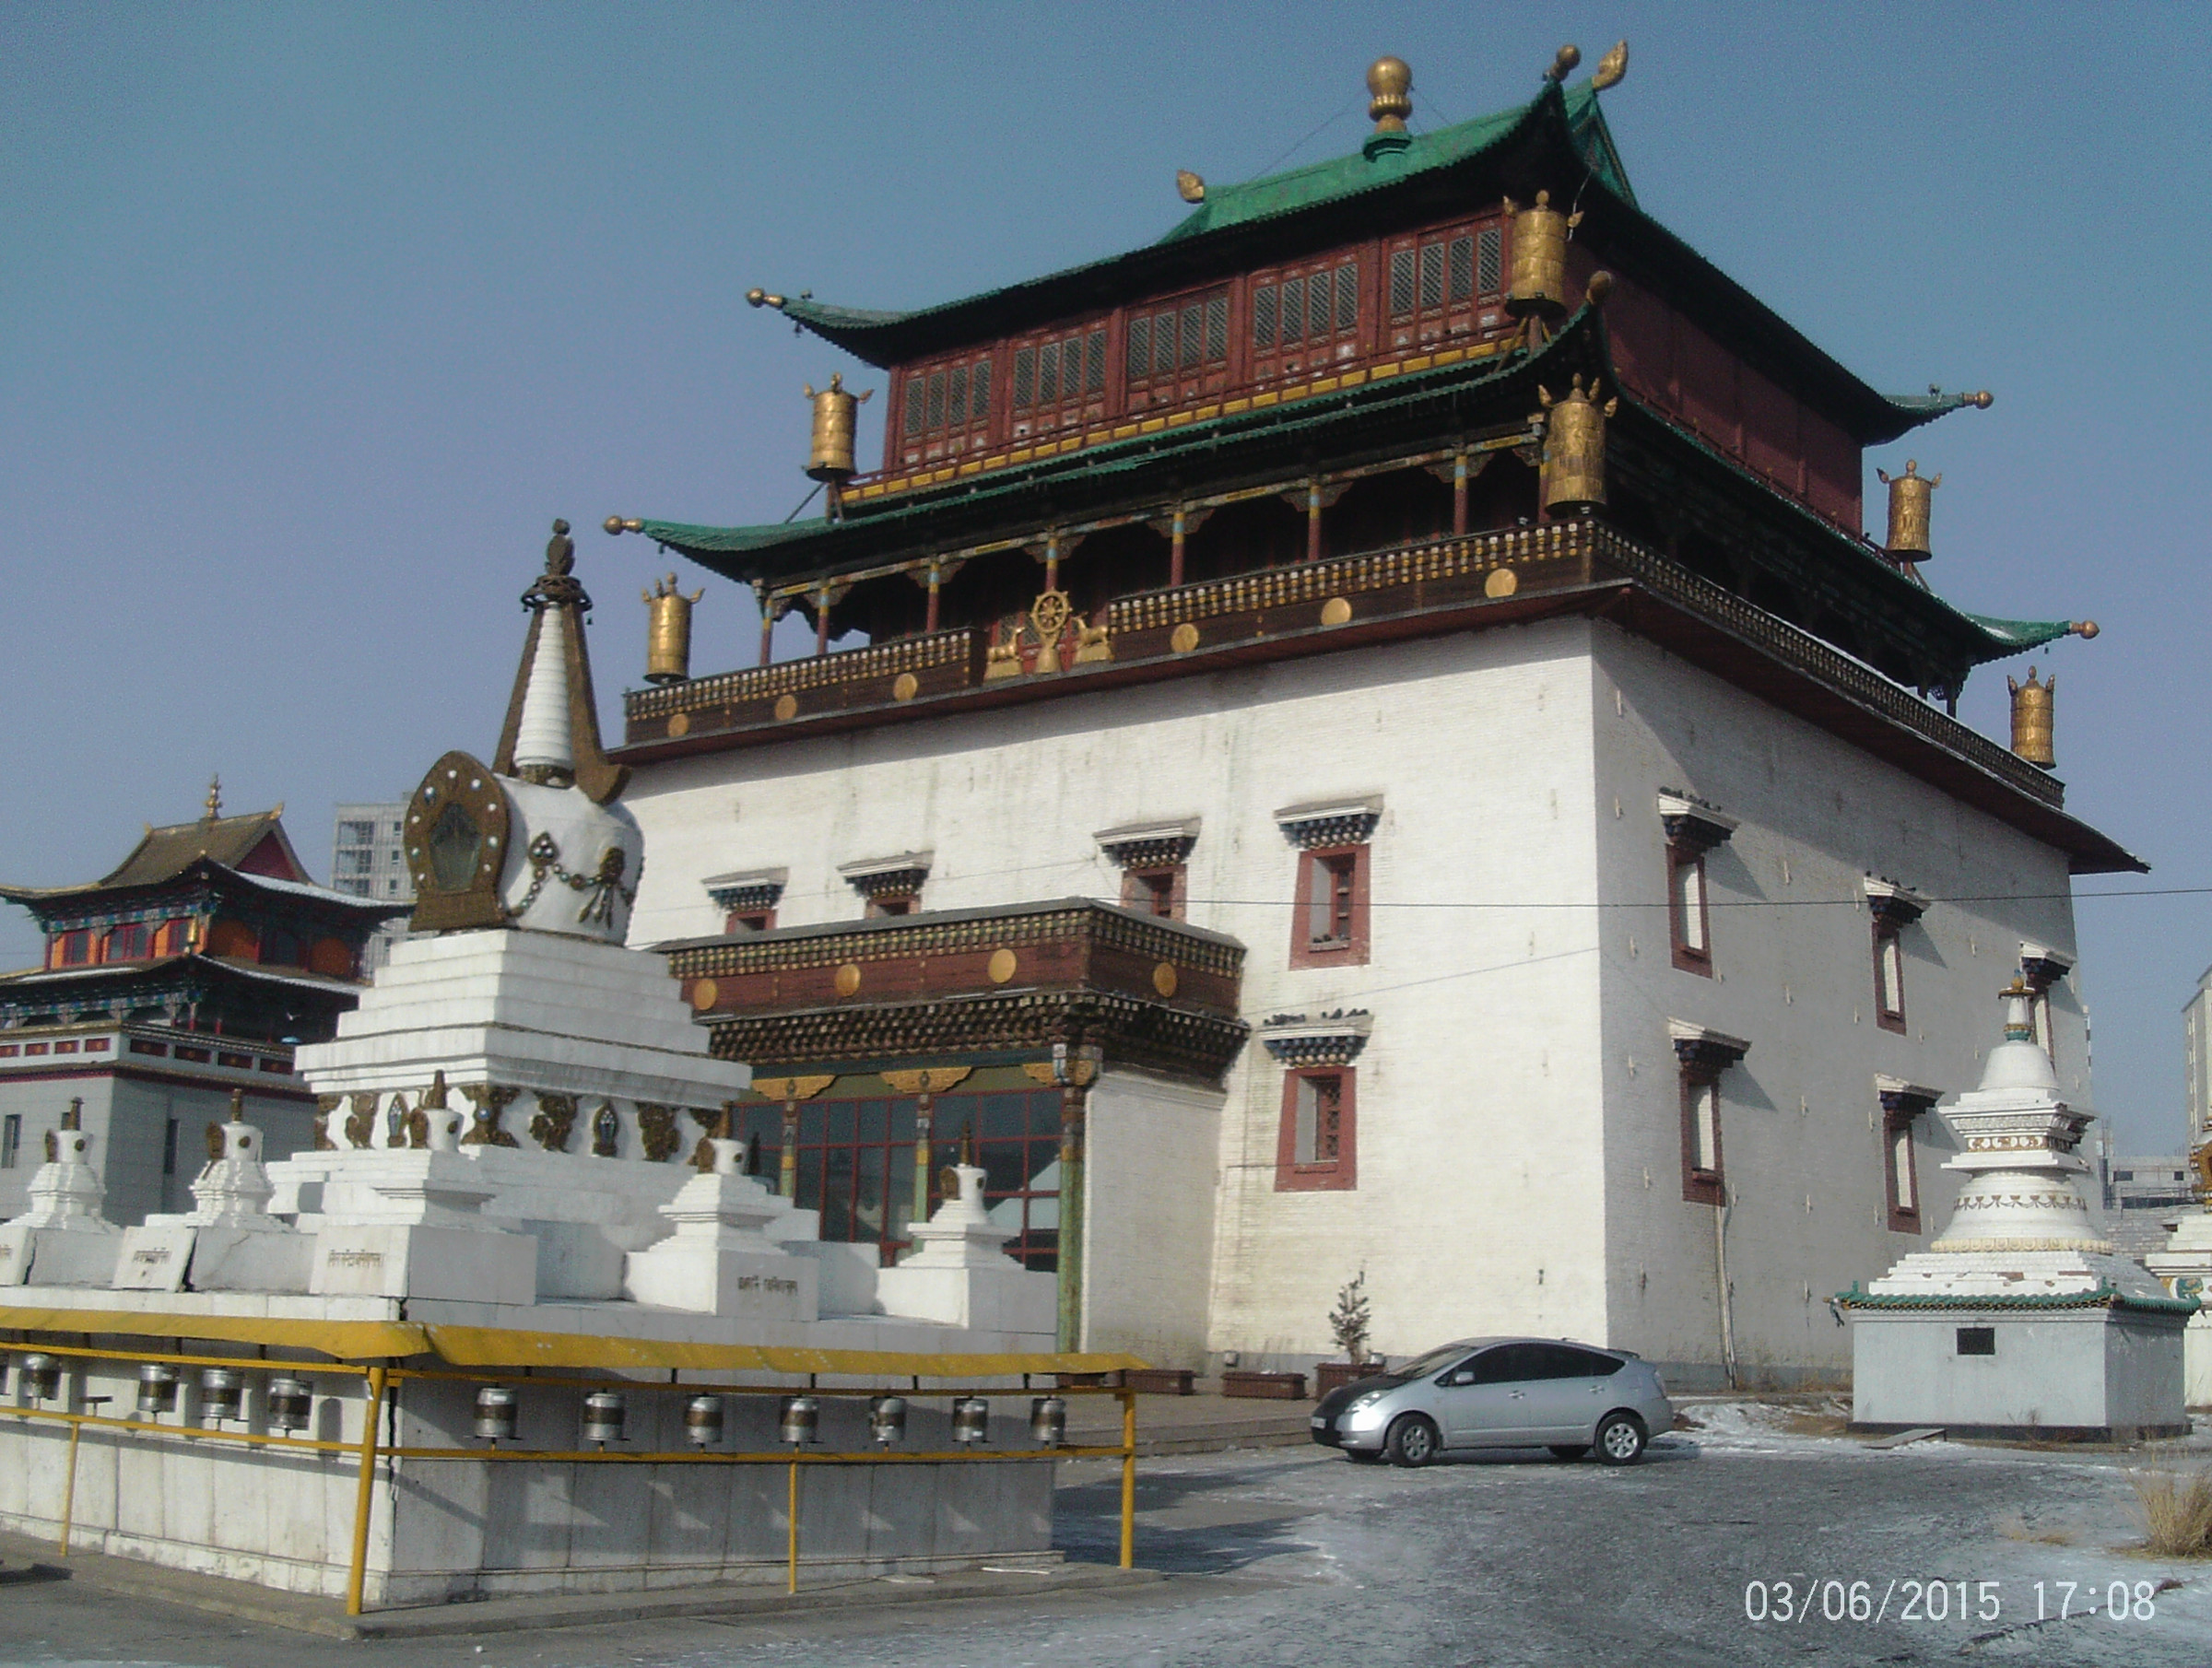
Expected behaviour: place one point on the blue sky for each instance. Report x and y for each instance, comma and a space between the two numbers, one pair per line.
312, 317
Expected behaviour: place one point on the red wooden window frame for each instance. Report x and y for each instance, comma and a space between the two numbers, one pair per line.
1190, 360
1890, 976
176, 936
1692, 955
1161, 889
1702, 1184
913, 438
129, 941
1350, 949
749, 921
1340, 1172
1443, 269
73, 949
891, 903
1903, 1203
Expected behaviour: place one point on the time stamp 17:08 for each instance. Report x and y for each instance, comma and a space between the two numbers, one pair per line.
1914, 1599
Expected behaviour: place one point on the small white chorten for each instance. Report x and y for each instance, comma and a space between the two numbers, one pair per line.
2021, 1318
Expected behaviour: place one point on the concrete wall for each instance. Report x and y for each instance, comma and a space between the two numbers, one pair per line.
1150, 1181
2069, 1373
443, 1530
127, 1117
1802, 1138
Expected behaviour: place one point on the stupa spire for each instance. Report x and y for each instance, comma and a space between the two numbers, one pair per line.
552, 730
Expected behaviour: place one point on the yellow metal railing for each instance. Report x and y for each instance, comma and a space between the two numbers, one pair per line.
381, 1378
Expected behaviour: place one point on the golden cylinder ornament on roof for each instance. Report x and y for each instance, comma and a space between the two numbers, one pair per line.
1912, 497
1574, 448
1539, 286
668, 632
2031, 703
836, 419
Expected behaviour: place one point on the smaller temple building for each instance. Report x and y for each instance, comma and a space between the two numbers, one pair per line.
188, 971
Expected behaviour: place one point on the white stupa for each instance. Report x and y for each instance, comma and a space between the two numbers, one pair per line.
2184, 1264
2021, 1318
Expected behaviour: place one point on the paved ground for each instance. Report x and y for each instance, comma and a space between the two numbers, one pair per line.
1292, 1556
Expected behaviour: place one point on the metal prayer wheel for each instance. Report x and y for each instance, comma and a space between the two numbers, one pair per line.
887, 1420
157, 1389
836, 417
971, 1420
702, 1421
2031, 703
222, 1394
801, 1419
497, 1410
291, 1403
604, 1411
1539, 283
1048, 1421
1912, 497
1574, 450
668, 632
42, 1377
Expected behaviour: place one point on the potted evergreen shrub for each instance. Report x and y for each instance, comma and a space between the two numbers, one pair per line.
1348, 1324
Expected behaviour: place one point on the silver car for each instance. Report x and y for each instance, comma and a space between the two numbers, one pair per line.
1499, 1392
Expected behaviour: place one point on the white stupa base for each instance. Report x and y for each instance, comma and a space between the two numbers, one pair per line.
170, 1256
2185, 1266
78, 1255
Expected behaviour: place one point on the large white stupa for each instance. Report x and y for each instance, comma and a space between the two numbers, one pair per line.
2020, 1320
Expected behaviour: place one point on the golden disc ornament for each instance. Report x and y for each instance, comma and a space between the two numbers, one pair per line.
848, 979
1002, 965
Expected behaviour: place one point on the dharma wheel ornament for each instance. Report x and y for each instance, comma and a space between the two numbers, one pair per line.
668, 632
2031, 705
1912, 497
1539, 286
1574, 449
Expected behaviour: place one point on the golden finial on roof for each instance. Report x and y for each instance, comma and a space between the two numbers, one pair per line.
1611, 67
214, 807
1189, 186
1563, 65
1390, 94
761, 297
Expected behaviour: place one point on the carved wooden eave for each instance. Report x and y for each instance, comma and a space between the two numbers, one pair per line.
1297, 1040
1702, 1046
1157, 995
1891, 904
1691, 822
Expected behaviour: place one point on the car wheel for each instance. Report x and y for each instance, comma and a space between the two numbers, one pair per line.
1359, 1456
1413, 1440
1570, 1450
1620, 1438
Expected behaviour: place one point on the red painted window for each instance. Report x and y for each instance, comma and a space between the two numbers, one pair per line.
1900, 1174
175, 937
1444, 284
944, 409
73, 949
1689, 921
1889, 976
1703, 1180
129, 942
748, 921
891, 903
1173, 350
1329, 920
1317, 1147
1157, 891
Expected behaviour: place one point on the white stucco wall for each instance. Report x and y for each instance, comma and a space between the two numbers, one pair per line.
1519, 1083
1801, 1117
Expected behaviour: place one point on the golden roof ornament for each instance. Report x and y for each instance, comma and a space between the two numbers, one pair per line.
1611, 67
2031, 715
1539, 283
1189, 186
1574, 448
1390, 94
1912, 497
836, 419
1563, 63
214, 807
668, 632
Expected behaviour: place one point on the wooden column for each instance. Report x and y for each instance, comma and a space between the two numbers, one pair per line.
1313, 520
1459, 495
925, 1085
935, 580
769, 614
1074, 1070
1182, 528
822, 621
789, 1091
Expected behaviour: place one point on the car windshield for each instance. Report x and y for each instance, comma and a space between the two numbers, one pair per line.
1435, 1361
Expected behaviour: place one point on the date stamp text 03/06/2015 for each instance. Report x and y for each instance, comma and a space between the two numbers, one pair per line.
1909, 1599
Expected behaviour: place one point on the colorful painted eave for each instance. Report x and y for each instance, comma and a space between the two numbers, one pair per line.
1239, 226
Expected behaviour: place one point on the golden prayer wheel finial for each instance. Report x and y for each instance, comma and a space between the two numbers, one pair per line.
1911, 496
836, 416
668, 632
1390, 94
1539, 286
1574, 449
2031, 704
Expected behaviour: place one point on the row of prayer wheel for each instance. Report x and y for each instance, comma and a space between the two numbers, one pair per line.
798, 1419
